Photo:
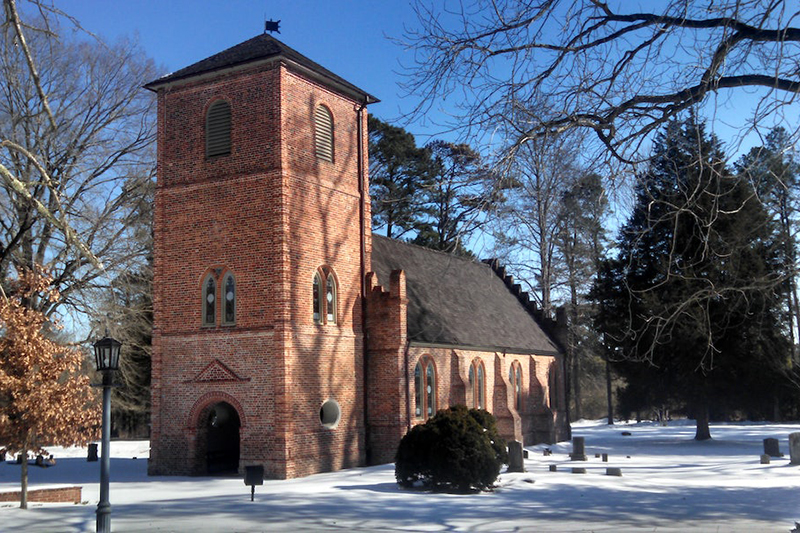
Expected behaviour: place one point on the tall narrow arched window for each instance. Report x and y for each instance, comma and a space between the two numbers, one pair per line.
209, 301
477, 383
218, 129
325, 296
317, 299
323, 133
229, 314
515, 379
330, 299
424, 389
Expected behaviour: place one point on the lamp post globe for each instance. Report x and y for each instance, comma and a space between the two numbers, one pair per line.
106, 354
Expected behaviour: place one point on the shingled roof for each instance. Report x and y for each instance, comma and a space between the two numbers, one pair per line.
456, 301
260, 47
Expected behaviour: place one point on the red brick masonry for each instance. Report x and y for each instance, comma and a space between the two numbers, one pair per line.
54, 495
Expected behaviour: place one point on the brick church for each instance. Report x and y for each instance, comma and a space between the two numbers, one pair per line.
286, 334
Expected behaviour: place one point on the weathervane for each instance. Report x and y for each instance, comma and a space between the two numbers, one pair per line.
272, 25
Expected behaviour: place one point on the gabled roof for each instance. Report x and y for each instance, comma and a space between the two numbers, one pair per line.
259, 48
456, 301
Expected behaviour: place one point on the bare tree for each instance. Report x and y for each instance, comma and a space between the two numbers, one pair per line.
609, 67
527, 225
76, 131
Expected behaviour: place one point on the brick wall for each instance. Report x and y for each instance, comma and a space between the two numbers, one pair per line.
53, 495
271, 213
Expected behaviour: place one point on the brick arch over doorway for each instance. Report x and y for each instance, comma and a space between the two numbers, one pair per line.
215, 449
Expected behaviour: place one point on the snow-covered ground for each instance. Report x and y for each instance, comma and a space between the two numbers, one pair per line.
669, 483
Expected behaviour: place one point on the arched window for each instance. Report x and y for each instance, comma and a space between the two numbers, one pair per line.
325, 297
477, 383
425, 389
515, 379
209, 301
229, 315
323, 133
218, 129
317, 299
330, 299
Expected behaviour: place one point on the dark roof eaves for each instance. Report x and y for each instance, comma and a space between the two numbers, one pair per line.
499, 349
291, 56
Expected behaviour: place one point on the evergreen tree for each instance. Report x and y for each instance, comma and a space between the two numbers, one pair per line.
689, 308
774, 171
580, 241
455, 198
399, 174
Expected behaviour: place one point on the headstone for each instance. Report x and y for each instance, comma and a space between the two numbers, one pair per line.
765, 459
554, 468
794, 447
515, 457
614, 471
19, 458
578, 449
578, 470
626, 433
597, 456
524, 454
92, 453
605, 457
772, 447
547, 452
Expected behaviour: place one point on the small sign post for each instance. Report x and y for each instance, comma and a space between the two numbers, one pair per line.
253, 475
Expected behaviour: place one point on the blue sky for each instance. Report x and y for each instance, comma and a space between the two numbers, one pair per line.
348, 37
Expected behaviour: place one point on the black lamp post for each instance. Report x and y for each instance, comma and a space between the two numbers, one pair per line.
106, 354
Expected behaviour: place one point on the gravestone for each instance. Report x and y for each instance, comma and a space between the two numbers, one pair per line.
578, 470
515, 457
772, 447
92, 453
765, 459
605, 457
578, 449
554, 468
614, 471
794, 448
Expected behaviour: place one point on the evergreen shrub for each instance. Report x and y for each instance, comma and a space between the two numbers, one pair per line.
457, 450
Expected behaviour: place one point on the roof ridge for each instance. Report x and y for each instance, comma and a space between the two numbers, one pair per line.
260, 47
474, 261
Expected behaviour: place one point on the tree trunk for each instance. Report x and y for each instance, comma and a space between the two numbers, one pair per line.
703, 432
23, 497
609, 395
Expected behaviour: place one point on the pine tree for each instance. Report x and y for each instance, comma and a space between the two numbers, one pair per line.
399, 174
689, 309
458, 193
46, 399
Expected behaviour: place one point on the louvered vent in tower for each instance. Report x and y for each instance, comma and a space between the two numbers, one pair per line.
323, 133
218, 129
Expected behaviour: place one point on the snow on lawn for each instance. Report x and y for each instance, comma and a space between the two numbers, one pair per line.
669, 483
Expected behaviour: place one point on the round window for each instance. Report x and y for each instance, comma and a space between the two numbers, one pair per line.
330, 413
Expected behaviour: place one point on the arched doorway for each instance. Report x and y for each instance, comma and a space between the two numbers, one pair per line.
222, 439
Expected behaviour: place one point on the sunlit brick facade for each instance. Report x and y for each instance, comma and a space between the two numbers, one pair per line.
262, 280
